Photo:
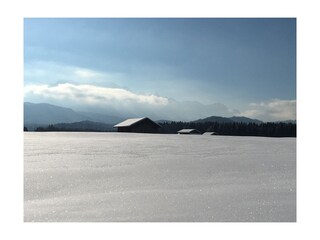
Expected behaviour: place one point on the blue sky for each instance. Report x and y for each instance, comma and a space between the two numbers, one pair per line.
182, 69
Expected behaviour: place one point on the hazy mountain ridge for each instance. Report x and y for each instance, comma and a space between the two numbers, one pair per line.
43, 113
38, 114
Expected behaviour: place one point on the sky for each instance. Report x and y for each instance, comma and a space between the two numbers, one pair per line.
175, 69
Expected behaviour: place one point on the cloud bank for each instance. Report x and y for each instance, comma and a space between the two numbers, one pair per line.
273, 110
89, 94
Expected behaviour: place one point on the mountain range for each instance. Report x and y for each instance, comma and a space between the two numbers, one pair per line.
43, 114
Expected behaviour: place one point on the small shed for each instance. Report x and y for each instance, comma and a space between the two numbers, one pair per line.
138, 125
210, 133
189, 131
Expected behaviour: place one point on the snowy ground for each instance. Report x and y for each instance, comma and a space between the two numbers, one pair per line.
149, 177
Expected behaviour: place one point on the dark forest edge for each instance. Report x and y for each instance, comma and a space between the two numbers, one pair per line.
269, 129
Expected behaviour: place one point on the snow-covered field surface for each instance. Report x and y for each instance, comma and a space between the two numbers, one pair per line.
152, 177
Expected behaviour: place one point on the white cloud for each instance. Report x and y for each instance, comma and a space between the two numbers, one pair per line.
86, 73
273, 110
43, 72
90, 94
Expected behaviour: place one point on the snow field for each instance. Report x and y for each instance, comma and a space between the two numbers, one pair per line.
98, 177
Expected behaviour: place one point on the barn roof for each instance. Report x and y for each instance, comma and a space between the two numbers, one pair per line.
188, 130
209, 133
131, 121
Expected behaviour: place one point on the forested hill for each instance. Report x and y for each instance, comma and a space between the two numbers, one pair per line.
237, 119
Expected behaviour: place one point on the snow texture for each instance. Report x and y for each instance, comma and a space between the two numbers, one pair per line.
97, 177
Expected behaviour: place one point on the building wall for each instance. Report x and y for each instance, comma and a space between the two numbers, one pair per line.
124, 129
145, 127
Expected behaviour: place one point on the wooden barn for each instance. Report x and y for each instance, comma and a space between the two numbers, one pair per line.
138, 125
189, 131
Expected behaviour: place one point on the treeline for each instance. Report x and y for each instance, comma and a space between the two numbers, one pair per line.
53, 128
83, 126
269, 129
49, 128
